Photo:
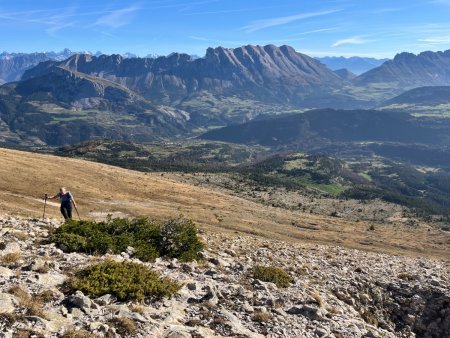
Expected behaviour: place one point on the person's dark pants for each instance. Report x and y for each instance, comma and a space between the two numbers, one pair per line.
66, 212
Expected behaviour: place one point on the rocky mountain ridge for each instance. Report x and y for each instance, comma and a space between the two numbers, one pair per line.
266, 73
408, 70
226, 86
336, 292
13, 65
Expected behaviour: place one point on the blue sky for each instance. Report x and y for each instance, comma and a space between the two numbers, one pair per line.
378, 28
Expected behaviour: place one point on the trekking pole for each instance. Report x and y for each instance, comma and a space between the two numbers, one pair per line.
45, 204
76, 209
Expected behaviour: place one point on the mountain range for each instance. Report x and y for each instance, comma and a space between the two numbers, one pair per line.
86, 96
408, 71
13, 65
266, 73
354, 64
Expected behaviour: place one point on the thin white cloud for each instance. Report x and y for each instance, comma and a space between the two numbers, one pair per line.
56, 27
440, 40
52, 20
354, 40
199, 38
117, 18
317, 31
56, 19
283, 20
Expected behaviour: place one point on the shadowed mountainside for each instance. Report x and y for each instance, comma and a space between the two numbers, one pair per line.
333, 125
423, 96
63, 106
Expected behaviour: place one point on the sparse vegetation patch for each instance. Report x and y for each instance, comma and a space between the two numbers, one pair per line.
272, 274
124, 280
143, 238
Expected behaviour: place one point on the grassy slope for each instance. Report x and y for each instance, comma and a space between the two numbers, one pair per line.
103, 189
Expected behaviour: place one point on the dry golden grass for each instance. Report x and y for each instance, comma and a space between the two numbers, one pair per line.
46, 296
101, 189
80, 333
318, 298
261, 317
124, 326
137, 308
11, 260
32, 305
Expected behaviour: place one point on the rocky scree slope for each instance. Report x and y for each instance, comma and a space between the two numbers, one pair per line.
336, 292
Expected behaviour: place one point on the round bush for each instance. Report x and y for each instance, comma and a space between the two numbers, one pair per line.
273, 275
125, 280
69, 242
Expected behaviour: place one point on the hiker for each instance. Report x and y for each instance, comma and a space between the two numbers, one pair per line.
67, 200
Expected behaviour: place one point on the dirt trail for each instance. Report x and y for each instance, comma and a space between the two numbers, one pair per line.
101, 189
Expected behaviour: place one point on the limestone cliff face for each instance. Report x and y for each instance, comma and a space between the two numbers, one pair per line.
267, 73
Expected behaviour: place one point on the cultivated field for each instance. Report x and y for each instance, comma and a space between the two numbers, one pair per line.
101, 190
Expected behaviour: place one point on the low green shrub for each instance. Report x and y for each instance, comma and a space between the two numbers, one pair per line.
272, 274
174, 238
124, 280
71, 242
179, 240
406, 276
